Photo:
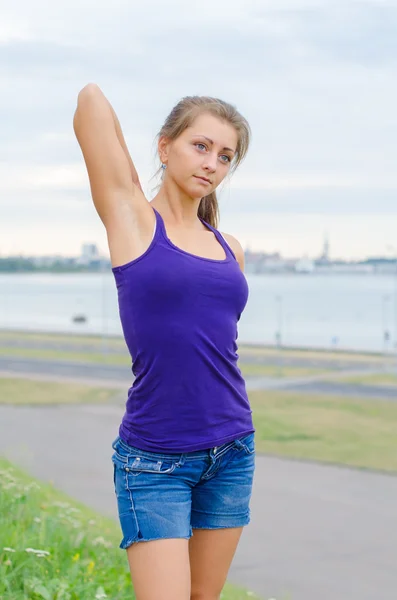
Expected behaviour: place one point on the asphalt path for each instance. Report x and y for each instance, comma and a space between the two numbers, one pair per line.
317, 532
280, 358
122, 377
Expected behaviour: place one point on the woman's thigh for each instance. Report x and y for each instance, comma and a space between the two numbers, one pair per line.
160, 569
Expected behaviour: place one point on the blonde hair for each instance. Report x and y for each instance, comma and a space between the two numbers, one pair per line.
182, 116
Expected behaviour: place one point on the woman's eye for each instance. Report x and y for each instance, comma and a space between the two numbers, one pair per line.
225, 158
201, 146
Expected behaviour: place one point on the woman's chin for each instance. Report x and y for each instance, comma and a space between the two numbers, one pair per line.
201, 191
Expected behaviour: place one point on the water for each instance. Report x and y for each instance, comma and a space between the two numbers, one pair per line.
324, 311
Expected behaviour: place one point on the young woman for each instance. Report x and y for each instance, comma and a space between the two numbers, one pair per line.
184, 458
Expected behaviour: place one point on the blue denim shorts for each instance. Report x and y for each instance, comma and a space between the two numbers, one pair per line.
168, 495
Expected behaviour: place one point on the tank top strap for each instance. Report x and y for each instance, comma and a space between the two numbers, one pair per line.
220, 238
160, 229
159, 226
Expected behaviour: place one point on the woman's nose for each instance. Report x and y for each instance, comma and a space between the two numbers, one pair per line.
210, 163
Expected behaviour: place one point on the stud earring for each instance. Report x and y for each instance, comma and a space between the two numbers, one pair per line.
163, 166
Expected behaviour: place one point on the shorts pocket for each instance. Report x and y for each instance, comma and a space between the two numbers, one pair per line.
138, 464
134, 462
248, 443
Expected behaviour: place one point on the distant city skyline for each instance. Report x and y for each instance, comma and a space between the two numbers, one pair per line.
315, 79
91, 250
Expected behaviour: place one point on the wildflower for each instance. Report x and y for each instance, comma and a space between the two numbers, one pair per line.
90, 567
100, 541
76, 524
37, 520
39, 553
91, 522
6, 549
8, 563
76, 557
79, 538
31, 485
73, 510
100, 593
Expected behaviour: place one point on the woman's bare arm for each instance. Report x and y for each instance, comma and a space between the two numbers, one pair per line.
116, 192
113, 178
122, 141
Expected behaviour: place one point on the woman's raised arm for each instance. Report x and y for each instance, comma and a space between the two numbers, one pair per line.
112, 174
115, 187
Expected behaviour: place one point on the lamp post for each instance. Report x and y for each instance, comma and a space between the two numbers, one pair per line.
393, 249
279, 300
385, 327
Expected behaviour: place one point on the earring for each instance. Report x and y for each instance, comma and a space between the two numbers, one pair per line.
163, 166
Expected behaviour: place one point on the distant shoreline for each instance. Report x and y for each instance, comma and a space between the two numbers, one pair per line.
248, 272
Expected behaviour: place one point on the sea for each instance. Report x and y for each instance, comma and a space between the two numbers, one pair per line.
328, 311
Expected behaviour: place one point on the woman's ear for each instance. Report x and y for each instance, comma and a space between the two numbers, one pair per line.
163, 149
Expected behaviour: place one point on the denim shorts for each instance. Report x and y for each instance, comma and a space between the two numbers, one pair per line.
168, 495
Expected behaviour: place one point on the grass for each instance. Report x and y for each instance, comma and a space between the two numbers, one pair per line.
248, 370
53, 548
332, 429
279, 371
373, 379
117, 342
24, 391
54, 355
32, 336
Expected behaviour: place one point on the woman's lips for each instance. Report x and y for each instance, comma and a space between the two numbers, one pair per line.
206, 181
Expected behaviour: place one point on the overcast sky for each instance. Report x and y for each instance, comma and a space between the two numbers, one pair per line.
315, 78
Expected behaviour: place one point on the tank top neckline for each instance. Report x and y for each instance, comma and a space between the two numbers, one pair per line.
218, 236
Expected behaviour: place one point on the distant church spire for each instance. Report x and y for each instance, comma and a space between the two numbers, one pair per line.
325, 254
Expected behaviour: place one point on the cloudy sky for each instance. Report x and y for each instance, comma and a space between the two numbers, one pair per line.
315, 78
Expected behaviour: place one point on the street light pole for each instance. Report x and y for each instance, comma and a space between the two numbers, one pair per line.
394, 250
279, 335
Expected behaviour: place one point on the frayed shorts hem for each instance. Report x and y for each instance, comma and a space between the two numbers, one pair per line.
126, 544
234, 526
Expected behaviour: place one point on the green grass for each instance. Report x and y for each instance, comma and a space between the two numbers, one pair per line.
248, 370
83, 560
24, 391
113, 341
279, 371
373, 379
332, 429
66, 355
255, 350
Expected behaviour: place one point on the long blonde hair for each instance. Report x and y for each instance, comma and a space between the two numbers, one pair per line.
183, 115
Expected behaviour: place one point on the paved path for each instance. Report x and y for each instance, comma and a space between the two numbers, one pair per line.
122, 377
277, 358
317, 532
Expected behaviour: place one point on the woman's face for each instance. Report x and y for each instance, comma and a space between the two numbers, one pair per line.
199, 159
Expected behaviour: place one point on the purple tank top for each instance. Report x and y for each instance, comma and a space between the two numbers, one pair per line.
179, 314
